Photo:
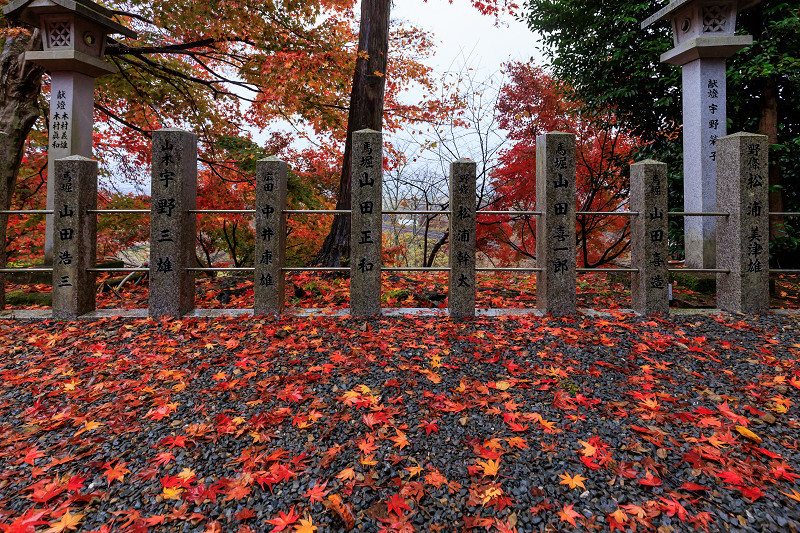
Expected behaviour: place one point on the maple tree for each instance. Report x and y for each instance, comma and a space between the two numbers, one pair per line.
532, 103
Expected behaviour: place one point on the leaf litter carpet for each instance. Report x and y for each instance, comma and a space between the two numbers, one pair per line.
404, 424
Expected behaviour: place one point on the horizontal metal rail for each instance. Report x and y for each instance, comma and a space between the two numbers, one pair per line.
116, 211
17, 270
606, 270
701, 270
502, 269
223, 211
609, 213
222, 269
784, 270
697, 214
316, 269
415, 269
121, 269
393, 212
511, 213
27, 212
317, 211
784, 214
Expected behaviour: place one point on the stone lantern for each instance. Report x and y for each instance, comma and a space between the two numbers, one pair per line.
74, 36
703, 33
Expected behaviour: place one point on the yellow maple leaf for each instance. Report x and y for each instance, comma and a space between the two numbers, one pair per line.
490, 467
347, 473
68, 521
186, 473
794, 495
502, 385
305, 526
172, 493
746, 433
573, 482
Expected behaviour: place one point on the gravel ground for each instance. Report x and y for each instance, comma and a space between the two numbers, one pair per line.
407, 424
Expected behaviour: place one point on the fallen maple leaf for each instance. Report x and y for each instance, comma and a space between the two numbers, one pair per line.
116, 473
317, 493
567, 514
68, 521
746, 433
573, 482
397, 504
283, 520
490, 467
305, 526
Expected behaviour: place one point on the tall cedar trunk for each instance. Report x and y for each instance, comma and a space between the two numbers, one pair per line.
366, 111
20, 85
768, 125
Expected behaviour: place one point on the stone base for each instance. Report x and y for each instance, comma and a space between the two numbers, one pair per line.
46, 314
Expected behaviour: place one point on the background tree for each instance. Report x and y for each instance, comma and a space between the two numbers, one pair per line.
532, 103
609, 62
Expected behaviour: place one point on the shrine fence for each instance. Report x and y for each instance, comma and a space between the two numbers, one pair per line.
742, 231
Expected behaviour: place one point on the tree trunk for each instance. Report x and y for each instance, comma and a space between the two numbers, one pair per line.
366, 111
20, 85
768, 125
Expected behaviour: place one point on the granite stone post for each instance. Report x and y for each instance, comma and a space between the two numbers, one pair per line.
271, 186
74, 237
649, 245
71, 109
172, 228
461, 288
704, 121
555, 229
743, 191
366, 223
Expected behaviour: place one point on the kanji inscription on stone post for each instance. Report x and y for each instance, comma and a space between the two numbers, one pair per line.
74, 237
461, 293
649, 245
172, 228
743, 191
270, 256
366, 223
555, 229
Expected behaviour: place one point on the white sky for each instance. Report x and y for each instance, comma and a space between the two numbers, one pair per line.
460, 28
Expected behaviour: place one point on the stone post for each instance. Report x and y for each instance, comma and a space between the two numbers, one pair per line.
461, 290
555, 229
71, 109
74, 237
743, 191
704, 116
649, 245
366, 223
172, 228
271, 180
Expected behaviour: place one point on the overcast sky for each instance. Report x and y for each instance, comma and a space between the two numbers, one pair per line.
459, 28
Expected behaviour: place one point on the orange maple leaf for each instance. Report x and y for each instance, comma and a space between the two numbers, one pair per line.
490, 467
117, 472
68, 521
573, 482
567, 514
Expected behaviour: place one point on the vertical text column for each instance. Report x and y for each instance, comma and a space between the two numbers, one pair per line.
172, 228
461, 293
649, 246
74, 237
271, 184
366, 223
743, 236
555, 229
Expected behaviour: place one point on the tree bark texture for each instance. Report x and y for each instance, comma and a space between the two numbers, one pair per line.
20, 85
366, 111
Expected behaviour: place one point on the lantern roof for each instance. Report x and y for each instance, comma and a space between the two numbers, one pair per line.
670, 9
29, 11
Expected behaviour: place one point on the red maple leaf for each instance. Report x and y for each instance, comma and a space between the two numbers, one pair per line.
397, 504
284, 520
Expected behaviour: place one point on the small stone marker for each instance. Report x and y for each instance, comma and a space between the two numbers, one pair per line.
366, 223
74, 237
555, 229
172, 228
461, 291
649, 245
742, 191
271, 185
